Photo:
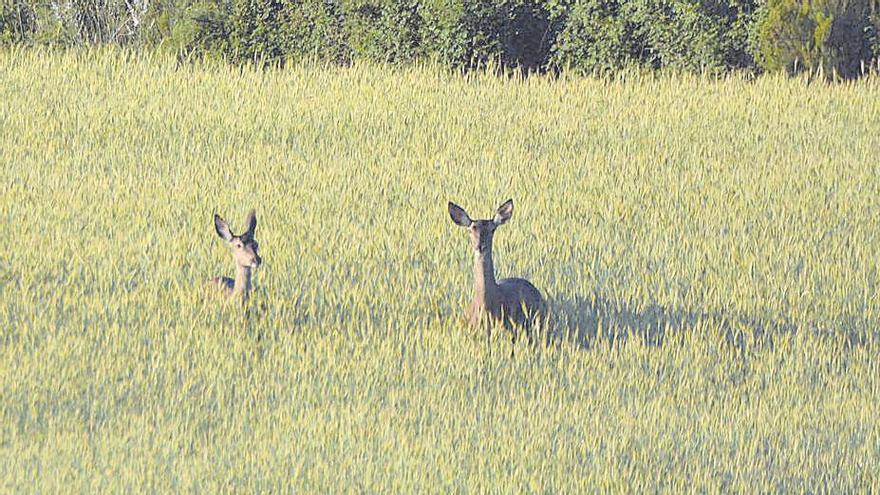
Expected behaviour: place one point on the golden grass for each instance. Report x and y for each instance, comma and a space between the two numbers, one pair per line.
709, 250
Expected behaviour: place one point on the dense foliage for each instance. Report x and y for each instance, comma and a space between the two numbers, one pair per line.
839, 36
831, 34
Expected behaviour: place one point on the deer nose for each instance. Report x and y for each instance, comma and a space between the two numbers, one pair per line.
257, 261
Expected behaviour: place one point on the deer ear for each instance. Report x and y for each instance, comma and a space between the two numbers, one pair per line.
222, 228
458, 215
251, 222
504, 212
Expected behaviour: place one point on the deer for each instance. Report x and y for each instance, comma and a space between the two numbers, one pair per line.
515, 302
244, 253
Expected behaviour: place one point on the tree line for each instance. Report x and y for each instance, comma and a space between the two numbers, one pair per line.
835, 38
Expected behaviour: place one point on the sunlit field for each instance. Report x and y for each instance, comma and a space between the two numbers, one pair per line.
710, 253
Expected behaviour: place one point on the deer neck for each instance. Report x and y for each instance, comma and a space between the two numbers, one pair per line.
242, 281
485, 288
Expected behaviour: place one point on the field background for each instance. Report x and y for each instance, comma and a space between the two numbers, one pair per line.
709, 249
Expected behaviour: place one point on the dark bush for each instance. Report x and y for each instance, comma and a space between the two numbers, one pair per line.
597, 38
513, 33
829, 36
261, 31
603, 35
384, 30
17, 21
315, 29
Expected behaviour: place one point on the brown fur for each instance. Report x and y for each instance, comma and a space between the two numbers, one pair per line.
244, 253
515, 302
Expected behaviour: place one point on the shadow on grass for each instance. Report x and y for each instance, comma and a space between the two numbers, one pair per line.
589, 320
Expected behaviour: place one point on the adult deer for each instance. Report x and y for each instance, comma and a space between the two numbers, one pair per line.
513, 301
244, 253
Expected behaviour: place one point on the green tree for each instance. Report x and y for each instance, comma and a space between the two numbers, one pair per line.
828, 36
605, 35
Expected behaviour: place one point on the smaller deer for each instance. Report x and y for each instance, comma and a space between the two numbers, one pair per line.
513, 301
244, 253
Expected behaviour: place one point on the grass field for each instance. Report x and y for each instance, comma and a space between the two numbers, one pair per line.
709, 249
